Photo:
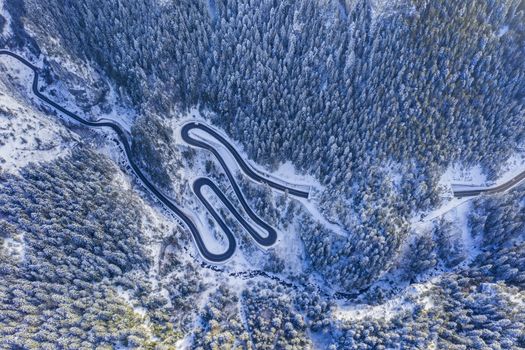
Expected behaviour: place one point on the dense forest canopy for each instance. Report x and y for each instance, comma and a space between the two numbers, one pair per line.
374, 99
326, 85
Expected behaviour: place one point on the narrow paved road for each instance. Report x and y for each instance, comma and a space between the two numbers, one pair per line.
125, 138
491, 190
270, 238
272, 235
185, 132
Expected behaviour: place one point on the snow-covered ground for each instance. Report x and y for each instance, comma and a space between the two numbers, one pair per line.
14, 247
457, 211
292, 177
17, 74
6, 31
459, 178
26, 134
384, 8
126, 296
460, 216
502, 31
123, 116
512, 167
404, 302
318, 216
443, 209
213, 238
112, 107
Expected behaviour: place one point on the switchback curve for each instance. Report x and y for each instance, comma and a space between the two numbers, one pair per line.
264, 241
123, 138
185, 133
272, 235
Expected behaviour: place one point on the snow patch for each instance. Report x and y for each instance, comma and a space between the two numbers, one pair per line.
318, 216
288, 171
512, 167
14, 247
460, 175
405, 302
460, 215
212, 9
448, 206
122, 115
385, 8
126, 296
502, 31
459, 178
290, 248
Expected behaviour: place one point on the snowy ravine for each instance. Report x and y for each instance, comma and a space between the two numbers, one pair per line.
466, 236
21, 72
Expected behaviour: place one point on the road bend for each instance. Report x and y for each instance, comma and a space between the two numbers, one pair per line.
123, 138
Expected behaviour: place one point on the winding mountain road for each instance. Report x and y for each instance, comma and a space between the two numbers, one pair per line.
264, 241
193, 125
125, 140
272, 235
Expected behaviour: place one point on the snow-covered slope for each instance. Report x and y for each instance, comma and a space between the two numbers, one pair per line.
26, 133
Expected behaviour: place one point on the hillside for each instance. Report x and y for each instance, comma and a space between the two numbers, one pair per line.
266, 174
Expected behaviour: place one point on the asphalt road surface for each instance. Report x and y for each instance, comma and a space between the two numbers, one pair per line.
185, 132
270, 238
491, 190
